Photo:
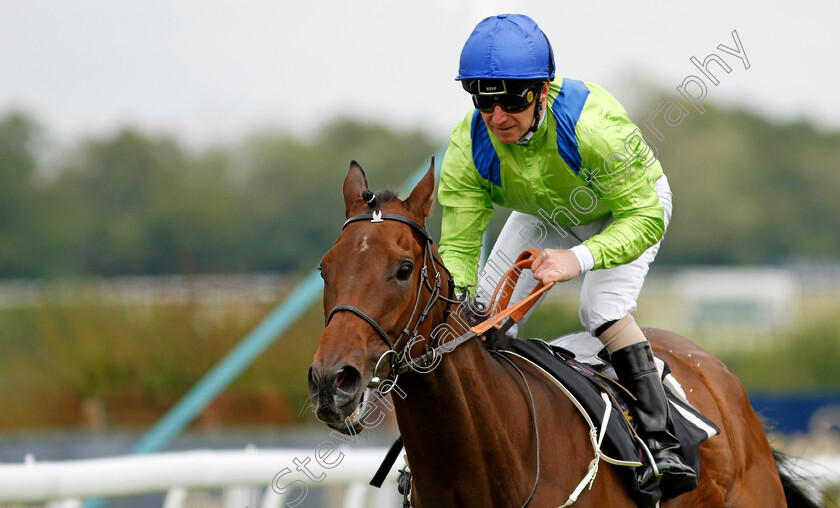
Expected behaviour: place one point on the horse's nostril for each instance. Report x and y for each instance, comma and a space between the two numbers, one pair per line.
335, 389
347, 380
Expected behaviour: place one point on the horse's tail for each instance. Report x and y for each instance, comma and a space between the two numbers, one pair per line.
795, 494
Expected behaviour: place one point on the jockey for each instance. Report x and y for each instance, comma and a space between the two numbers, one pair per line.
584, 187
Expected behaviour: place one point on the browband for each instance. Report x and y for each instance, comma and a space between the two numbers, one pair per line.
378, 216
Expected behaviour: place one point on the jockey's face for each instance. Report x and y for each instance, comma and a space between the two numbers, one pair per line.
510, 127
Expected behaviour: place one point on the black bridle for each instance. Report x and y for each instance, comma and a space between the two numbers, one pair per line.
399, 361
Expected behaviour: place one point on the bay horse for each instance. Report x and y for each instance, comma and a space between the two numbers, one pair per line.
480, 430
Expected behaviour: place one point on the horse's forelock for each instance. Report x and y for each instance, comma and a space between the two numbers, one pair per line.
384, 197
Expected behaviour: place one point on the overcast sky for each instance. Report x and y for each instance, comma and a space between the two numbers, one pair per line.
209, 70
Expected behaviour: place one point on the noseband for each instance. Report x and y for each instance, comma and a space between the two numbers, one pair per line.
398, 362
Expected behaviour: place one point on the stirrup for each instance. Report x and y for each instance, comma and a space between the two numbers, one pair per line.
674, 481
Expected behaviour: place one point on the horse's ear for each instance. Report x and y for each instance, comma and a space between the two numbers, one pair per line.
354, 184
421, 198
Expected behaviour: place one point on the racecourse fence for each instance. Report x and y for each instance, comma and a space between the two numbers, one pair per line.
246, 478
258, 478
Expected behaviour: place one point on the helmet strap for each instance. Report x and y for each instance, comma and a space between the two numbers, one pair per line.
537, 116
537, 111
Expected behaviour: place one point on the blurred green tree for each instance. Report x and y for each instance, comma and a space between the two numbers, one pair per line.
746, 190
24, 235
750, 191
293, 188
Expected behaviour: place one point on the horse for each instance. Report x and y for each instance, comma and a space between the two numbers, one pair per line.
481, 429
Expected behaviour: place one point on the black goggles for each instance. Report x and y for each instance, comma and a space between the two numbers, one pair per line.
510, 101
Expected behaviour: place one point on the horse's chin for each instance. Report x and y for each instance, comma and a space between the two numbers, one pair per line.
353, 423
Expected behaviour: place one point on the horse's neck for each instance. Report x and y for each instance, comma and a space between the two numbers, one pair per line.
468, 430
467, 410
459, 384
457, 381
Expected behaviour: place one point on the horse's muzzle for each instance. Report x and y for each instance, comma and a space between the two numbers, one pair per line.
335, 393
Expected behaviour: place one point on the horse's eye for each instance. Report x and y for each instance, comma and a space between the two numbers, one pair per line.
404, 272
323, 271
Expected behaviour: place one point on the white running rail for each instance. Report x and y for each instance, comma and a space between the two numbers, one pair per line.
285, 477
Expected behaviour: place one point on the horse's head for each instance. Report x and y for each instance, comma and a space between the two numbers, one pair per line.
374, 280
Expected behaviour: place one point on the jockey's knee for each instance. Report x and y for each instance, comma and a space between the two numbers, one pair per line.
620, 333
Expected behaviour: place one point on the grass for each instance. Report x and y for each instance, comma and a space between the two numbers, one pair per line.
94, 363
76, 358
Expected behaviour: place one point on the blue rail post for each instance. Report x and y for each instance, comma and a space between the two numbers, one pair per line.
231, 366
240, 358
226, 371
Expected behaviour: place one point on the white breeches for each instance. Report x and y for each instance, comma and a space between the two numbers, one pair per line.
606, 295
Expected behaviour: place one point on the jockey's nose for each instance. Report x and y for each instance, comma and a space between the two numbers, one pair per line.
498, 113
335, 388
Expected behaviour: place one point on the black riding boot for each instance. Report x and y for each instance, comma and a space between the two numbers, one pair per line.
637, 372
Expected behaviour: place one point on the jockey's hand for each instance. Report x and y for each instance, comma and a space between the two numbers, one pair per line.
556, 265
473, 310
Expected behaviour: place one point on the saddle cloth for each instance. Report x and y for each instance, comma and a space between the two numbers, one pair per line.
574, 361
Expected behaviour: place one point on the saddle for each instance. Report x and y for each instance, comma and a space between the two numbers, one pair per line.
592, 382
580, 364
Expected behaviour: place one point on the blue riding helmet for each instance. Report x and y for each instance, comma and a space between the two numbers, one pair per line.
507, 46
